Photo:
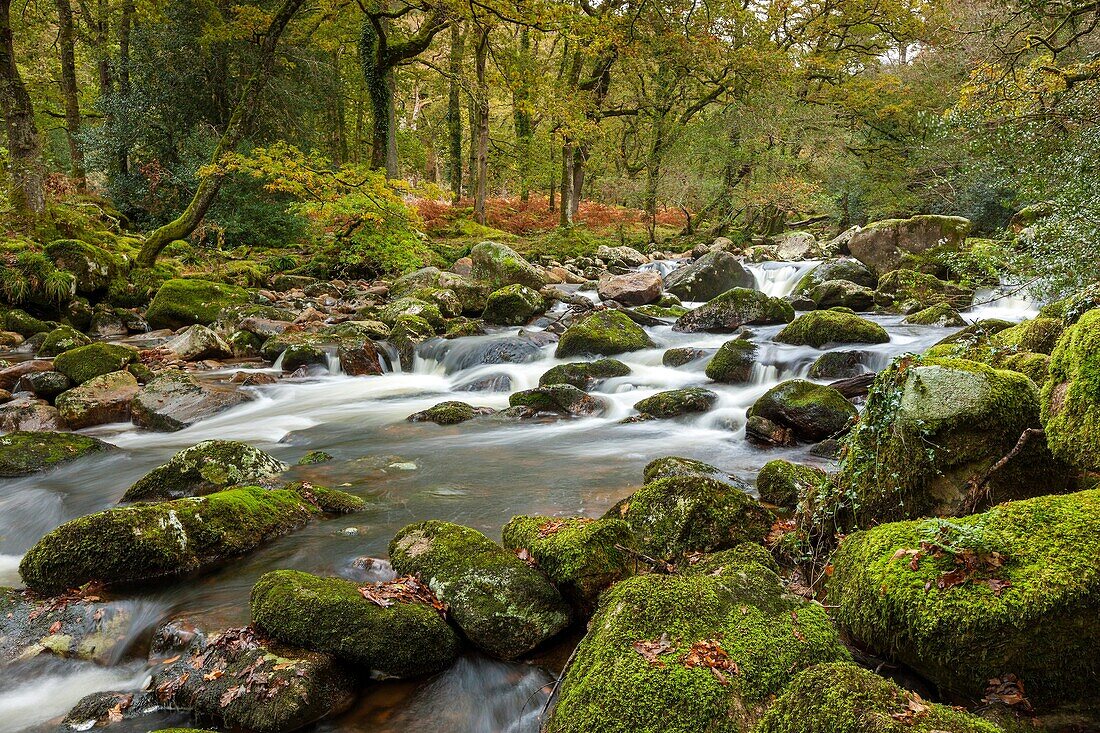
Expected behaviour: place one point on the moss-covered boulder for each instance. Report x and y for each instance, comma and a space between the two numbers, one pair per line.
44, 385
24, 323
175, 399
180, 303
680, 515
930, 427
781, 482
581, 556
819, 328
843, 268
148, 542
842, 294
733, 309
81, 628
669, 466
85, 362
451, 412
708, 277
1037, 335
513, 305
908, 291
204, 468
584, 375
61, 339
408, 331
691, 653
733, 362
605, 333
398, 634
682, 355
893, 243
1071, 395
1011, 591
941, 315
677, 402
25, 452
811, 411
93, 267
499, 602
841, 697
100, 400
411, 307
470, 294
500, 265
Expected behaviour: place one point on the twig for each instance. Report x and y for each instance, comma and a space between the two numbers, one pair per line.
977, 484
655, 564
557, 682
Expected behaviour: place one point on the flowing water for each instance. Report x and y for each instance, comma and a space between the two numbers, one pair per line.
480, 474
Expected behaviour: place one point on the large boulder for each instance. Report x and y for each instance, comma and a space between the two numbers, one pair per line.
29, 414
409, 306
811, 411
677, 516
513, 305
501, 604
670, 466
584, 375
733, 362
198, 342
564, 399
931, 428
692, 653
175, 399
500, 265
204, 468
85, 362
941, 315
471, 294
841, 697
100, 400
842, 294
392, 629
819, 328
62, 339
581, 556
632, 288
708, 277
25, 452
625, 256
1013, 591
844, 268
79, 628
782, 483
908, 291
44, 385
1036, 335
148, 542
605, 333
895, 243
1071, 395
791, 246
677, 402
93, 267
180, 303
735, 308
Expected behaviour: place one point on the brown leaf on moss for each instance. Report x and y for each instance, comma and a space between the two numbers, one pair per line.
407, 589
1008, 690
709, 653
553, 526
653, 648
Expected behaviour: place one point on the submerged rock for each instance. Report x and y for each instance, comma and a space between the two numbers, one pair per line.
677, 402
399, 636
25, 452
204, 468
175, 399
605, 333
584, 375
450, 413
148, 542
80, 627
733, 309
501, 604
819, 328
708, 277
812, 412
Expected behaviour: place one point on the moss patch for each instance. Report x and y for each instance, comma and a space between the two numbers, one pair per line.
818, 328
85, 362
180, 303
206, 467
1071, 396
584, 374
26, 452
605, 333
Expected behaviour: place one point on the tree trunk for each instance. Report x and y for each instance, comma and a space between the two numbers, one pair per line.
454, 114
566, 214
240, 125
653, 176
580, 157
482, 126
26, 168
103, 65
379, 78
553, 183
338, 142
122, 155
69, 92
521, 105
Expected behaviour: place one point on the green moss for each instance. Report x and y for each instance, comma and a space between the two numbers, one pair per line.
504, 606
606, 333
405, 639
669, 466
676, 402
204, 468
1071, 395
147, 542
811, 411
841, 697
941, 314
411, 307
909, 290
93, 267
23, 452
447, 413
1037, 622
818, 328
732, 561
560, 398
85, 362
584, 374
679, 515
733, 362
782, 483
735, 308
662, 311
1038, 335
513, 305
314, 457
612, 688
179, 303
500, 265
25, 324
61, 339
407, 332
579, 555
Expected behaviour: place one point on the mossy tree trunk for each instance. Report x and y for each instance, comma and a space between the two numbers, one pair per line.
122, 154
521, 105
482, 58
69, 91
240, 125
26, 167
454, 112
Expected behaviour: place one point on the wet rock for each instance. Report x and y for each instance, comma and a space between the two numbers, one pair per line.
941, 315
584, 375
181, 303
149, 542
107, 323
513, 305
632, 288
240, 680
1071, 395
27, 414
907, 291
100, 400
93, 267
782, 483
733, 362
85, 362
762, 431
501, 604
204, 468
77, 626
669, 466
626, 256
677, 402
708, 277
819, 328
842, 294
44, 385
848, 269
709, 651
428, 312
303, 355
470, 294
683, 355
25, 324
196, 343
581, 556
23, 453
844, 698
406, 638
100, 709
450, 413
500, 265
895, 243
679, 515
62, 339
839, 365
10, 339
1022, 612
407, 332
491, 383
604, 333
360, 359
812, 412
733, 309
558, 398
176, 399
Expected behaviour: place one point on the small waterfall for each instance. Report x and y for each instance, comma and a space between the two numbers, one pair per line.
1008, 301
663, 267
778, 279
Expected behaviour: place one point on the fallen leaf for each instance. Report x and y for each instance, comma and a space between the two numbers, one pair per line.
710, 654
55, 626
652, 648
